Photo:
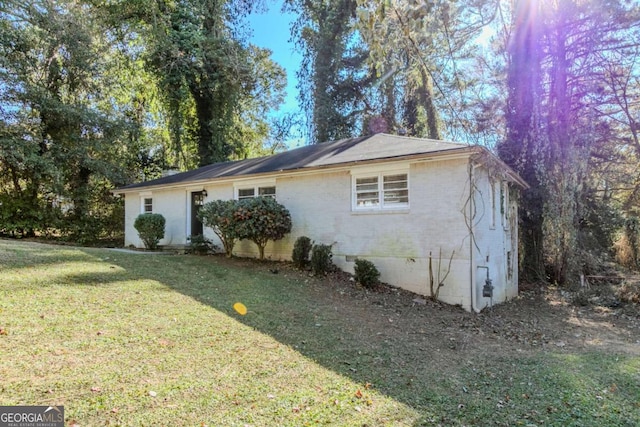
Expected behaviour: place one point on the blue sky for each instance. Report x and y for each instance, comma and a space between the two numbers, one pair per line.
271, 30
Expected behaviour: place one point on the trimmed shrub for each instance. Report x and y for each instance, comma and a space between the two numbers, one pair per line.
366, 273
301, 251
150, 227
200, 245
219, 216
261, 219
321, 262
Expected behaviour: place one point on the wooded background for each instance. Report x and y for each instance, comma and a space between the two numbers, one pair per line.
99, 94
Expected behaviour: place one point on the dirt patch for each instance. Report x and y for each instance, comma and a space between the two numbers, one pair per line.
539, 319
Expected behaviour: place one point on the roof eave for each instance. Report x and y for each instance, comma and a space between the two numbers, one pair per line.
439, 155
513, 175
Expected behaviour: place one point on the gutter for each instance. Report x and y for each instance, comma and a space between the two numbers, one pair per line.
471, 269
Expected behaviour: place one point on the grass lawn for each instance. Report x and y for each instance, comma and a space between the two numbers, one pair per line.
151, 339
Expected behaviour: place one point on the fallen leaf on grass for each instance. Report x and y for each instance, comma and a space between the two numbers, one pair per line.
359, 394
240, 308
3, 331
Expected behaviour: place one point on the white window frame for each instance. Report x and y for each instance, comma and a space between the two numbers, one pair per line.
505, 204
493, 204
379, 175
143, 202
255, 187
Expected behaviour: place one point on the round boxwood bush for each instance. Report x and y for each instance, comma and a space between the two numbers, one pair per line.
200, 245
366, 273
321, 262
301, 251
150, 228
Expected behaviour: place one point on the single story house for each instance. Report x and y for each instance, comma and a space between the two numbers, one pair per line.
393, 200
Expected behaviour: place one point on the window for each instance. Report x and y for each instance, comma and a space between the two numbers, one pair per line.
395, 190
267, 191
246, 193
147, 205
381, 191
506, 199
249, 192
367, 192
504, 204
492, 196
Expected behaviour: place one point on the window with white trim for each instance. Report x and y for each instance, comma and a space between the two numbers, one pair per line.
249, 192
147, 205
492, 197
504, 204
381, 191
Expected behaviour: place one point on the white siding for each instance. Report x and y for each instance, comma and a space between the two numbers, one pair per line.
398, 242
495, 241
171, 203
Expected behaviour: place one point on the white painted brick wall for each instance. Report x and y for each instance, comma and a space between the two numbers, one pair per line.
397, 242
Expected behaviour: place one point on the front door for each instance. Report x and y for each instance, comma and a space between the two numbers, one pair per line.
197, 200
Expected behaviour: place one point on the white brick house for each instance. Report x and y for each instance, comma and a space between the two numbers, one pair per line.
392, 200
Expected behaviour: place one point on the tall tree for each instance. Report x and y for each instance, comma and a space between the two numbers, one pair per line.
333, 79
253, 133
419, 47
214, 84
196, 57
53, 58
523, 148
559, 54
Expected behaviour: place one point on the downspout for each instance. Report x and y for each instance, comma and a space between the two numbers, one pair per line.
471, 269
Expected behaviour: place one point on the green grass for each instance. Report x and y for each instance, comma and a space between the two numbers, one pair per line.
138, 339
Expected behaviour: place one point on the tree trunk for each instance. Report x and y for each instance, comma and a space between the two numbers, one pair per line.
426, 98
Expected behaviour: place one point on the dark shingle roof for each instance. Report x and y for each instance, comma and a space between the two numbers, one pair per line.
373, 147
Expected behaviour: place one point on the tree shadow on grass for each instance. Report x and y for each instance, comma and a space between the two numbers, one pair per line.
452, 366
19, 254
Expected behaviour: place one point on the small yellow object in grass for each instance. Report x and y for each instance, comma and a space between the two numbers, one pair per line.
240, 308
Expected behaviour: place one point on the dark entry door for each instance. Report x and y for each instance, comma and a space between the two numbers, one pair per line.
197, 200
